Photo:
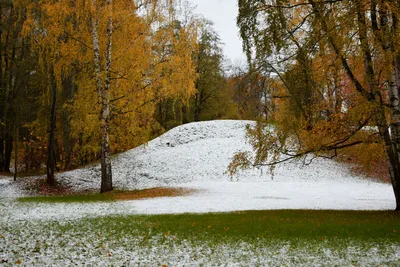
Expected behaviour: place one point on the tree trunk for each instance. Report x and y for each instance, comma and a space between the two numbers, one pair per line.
184, 114
160, 110
8, 139
394, 170
106, 173
104, 99
2, 96
16, 146
51, 162
197, 115
68, 94
197, 108
2, 129
392, 140
8, 118
8, 152
392, 159
1, 152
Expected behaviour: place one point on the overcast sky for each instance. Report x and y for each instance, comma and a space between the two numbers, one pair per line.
223, 13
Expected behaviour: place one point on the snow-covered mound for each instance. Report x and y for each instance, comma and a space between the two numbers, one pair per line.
197, 152
192, 152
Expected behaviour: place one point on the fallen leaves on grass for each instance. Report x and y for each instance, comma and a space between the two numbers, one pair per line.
150, 193
116, 195
40, 187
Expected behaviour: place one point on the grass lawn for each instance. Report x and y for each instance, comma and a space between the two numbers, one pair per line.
257, 238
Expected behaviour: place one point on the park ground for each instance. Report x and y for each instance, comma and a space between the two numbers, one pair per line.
175, 205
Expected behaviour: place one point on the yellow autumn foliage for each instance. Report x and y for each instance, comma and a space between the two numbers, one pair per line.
151, 61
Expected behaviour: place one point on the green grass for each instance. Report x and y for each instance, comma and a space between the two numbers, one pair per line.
256, 238
249, 225
274, 224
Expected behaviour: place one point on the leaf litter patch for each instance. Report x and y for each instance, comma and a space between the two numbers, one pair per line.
116, 195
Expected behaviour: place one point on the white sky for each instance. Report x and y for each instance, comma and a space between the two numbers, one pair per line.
223, 13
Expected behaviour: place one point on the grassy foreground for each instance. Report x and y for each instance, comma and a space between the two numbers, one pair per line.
251, 238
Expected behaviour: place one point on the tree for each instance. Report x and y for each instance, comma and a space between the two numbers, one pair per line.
213, 97
211, 81
135, 61
339, 62
46, 25
253, 93
128, 55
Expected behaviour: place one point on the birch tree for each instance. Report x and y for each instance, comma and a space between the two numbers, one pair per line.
120, 48
347, 56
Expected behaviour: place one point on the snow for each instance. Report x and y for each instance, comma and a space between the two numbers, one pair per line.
8, 189
193, 156
196, 156
223, 197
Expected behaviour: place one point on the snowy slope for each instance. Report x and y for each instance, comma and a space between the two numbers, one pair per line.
199, 152
196, 156
192, 152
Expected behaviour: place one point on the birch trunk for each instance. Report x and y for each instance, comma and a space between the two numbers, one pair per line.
106, 173
393, 144
104, 99
391, 138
